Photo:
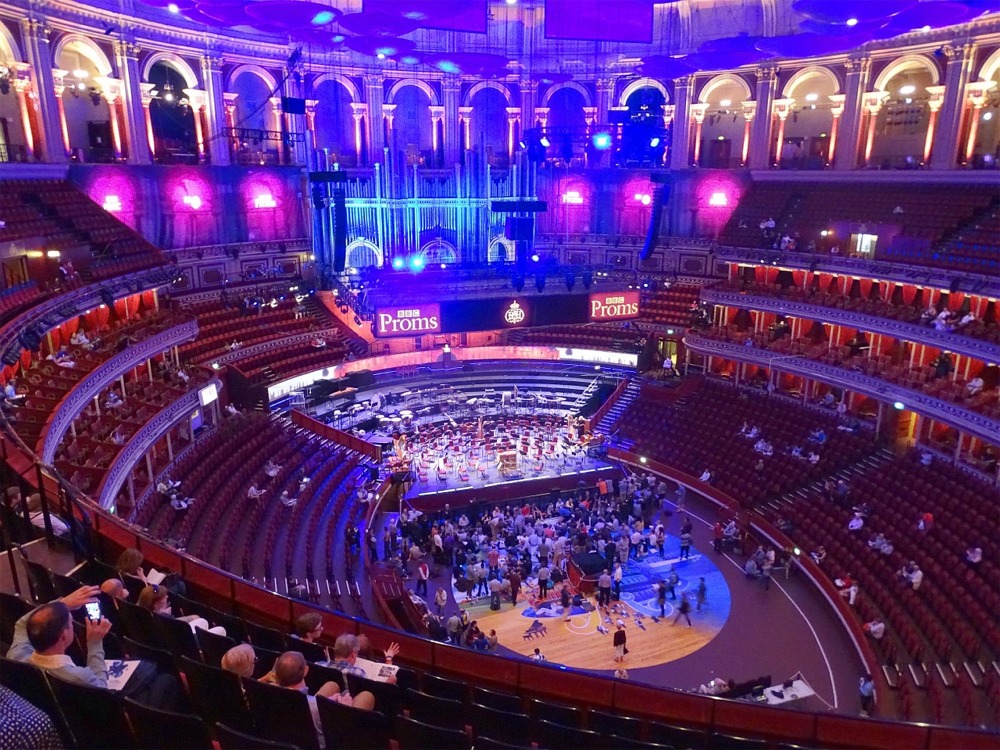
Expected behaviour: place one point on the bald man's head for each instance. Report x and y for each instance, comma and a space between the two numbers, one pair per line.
290, 669
114, 588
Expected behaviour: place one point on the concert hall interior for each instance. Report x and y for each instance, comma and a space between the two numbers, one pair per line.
400, 374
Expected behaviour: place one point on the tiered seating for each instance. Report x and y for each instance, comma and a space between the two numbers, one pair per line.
24, 219
880, 366
702, 432
669, 306
584, 337
952, 617
987, 329
18, 298
975, 247
292, 359
766, 200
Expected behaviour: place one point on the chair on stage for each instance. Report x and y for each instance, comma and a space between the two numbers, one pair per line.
463, 475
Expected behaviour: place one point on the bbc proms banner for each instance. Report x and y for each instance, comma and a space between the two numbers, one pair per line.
410, 320
614, 305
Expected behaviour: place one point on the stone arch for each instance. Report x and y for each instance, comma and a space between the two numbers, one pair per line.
990, 67
256, 70
493, 253
176, 62
642, 83
86, 47
9, 51
347, 83
723, 80
362, 250
583, 91
807, 73
416, 83
438, 250
467, 100
904, 63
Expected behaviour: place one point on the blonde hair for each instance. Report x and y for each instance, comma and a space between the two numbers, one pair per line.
130, 560
150, 595
240, 659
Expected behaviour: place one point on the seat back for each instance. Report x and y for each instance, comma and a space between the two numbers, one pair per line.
506, 726
265, 637
312, 651
176, 636
39, 580
557, 713
138, 624
388, 698
347, 728
318, 675
281, 714
614, 724
231, 739
497, 701
416, 735
30, 683
444, 688
214, 646
216, 694
166, 730
434, 710
96, 716
550, 734
12, 609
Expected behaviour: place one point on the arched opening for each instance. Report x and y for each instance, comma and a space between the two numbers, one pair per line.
171, 117
643, 140
724, 128
334, 122
902, 122
88, 117
567, 124
363, 255
13, 143
488, 126
253, 111
413, 134
986, 151
808, 130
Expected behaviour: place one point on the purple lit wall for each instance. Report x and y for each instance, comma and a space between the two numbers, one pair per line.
181, 206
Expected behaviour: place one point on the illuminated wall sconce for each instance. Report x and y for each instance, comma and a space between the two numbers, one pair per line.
718, 199
192, 201
112, 204
265, 201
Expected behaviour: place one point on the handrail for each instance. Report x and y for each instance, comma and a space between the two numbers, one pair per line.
596, 418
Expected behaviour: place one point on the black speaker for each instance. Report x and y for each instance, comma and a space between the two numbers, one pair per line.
318, 199
31, 340
519, 228
339, 229
660, 196
518, 206
293, 105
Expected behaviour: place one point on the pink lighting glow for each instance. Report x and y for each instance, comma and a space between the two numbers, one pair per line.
112, 204
718, 199
572, 197
265, 200
192, 201
644, 198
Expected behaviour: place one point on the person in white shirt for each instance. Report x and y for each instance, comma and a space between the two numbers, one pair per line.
875, 628
974, 556
287, 500
271, 468
9, 390
255, 494
79, 338
706, 476
117, 436
813, 457
856, 523
113, 401
916, 577
966, 319
975, 385
231, 410
537, 656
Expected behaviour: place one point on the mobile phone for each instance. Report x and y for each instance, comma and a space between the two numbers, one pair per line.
93, 611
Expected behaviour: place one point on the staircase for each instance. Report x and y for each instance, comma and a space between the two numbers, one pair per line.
617, 410
850, 474
585, 396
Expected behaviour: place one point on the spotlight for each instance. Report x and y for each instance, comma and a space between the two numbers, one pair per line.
173, 8
898, 405
398, 263
643, 459
417, 262
602, 141
654, 142
852, 21
545, 142
534, 258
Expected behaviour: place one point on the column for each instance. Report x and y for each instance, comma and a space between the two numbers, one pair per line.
513, 117
450, 88
782, 108
311, 122
542, 117
668, 118
465, 115
529, 89
58, 87
760, 133
873, 105
590, 117
698, 113
976, 95
605, 98
22, 90
957, 74
749, 109
437, 123
215, 109
682, 117
858, 72
358, 112
127, 60
276, 124
111, 89
198, 100
836, 111
934, 105
229, 102
375, 95
47, 138
295, 126
147, 91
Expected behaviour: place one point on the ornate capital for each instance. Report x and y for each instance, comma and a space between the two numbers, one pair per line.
199, 99
437, 113
36, 28
872, 101
59, 81
451, 84
783, 107
374, 80
697, 111
858, 65
465, 112
975, 92
838, 104
211, 64
937, 97
110, 88
147, 91
606, 86
749, 109
126, 49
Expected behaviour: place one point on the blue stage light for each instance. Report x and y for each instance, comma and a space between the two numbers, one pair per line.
398, 263
602, 141
535, 258
417, 262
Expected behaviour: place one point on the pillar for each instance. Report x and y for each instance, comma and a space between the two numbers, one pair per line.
465, 115
311, 140
437, 129
389, 113
682, 117
873, 105
976, 95
958, 73
375, 95
668, 118
47, 138
749, 109
782, 108
215, 110
934, 105
229, 103
198, 100
605, 98
111, 89
529, 89
146, 92
542, 117
698, 113
760, 133
22, 91
358, 112
450, 88
837, 110
513, 118
127, 59
58, 88
858, 72
276, 125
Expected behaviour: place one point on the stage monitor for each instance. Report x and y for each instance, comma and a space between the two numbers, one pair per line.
614, 305
408, 320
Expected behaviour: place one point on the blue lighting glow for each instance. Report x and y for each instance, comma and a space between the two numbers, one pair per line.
602, 141
323, 18
534, 258
654, 142
398, 263
417, 262
447, 66
898, 405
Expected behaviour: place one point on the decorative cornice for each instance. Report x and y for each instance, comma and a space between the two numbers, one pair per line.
954, 342
81, 394
950, 413
144, 439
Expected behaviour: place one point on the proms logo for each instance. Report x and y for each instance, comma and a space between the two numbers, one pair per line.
412, 320
614, 305
514, 314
